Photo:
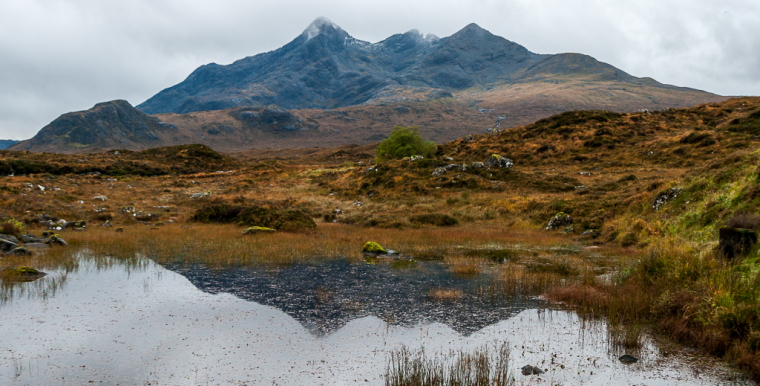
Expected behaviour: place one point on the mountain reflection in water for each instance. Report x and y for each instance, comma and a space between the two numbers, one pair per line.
325, 296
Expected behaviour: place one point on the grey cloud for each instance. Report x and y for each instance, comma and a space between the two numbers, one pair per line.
67, 55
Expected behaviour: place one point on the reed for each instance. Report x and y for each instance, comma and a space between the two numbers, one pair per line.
482, 367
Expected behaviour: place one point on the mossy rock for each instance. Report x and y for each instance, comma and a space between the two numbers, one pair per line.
373, 247
21, 274
119, 229
56, 239
256, 229
19, 251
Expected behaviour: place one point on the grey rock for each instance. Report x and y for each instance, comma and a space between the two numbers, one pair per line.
498, 161
19, 251
593, 233
7, 245
531, 370
628, 359
560, 220
10, 238
666, 196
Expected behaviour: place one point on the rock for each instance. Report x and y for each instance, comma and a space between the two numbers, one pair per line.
22, 274
119, 229
371, 169
736, 242
146, 216
478, 165
628, 359
10, 238
373, 247
255, 230
437, 172
531, 370
80, 224
19, 251
593, 233
56, 240
560, 220
100, 198
665, 196
7, 245
498, 161
36, 246
416, 157
200, 195
31, 239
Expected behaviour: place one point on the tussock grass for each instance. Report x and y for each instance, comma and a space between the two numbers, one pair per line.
482, 367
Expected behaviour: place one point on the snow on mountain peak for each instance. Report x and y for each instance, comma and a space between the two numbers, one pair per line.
317, 26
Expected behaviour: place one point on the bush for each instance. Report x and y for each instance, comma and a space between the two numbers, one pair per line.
278, 218
404, 142
12, 227
745, 221
438, 219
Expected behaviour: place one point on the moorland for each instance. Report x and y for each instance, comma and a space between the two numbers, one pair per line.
643, 198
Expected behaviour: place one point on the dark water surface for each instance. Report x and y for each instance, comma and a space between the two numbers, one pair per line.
332, 323
326, 296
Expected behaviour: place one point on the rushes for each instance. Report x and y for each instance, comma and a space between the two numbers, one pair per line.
457, 368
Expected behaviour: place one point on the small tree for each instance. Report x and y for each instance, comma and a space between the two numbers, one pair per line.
404, 142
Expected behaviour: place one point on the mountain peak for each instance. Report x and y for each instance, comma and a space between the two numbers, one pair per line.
472, 28
321, 25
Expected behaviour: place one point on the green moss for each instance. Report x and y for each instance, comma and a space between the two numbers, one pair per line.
24, 270
257, 229
373, 247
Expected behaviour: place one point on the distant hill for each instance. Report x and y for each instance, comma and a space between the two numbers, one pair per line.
6, 143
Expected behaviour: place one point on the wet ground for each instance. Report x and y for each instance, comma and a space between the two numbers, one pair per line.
330, 324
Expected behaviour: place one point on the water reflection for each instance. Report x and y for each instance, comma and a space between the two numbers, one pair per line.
117, 325
326, 296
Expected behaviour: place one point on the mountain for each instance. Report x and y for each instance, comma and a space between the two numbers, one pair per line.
6, 143
326, 88
108, 125
326, 68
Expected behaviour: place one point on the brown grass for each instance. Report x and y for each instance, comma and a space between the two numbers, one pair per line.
445, 293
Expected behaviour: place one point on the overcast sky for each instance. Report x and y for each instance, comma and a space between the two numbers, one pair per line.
58, 56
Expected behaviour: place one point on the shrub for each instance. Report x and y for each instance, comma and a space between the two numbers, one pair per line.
12, 227
404, 142
438, 219
282, 219
745, 221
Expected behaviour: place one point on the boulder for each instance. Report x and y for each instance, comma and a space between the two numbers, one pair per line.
10, 238
736, 242
119, 229
56, 240
19, 251
373, 247
255, 229
21, 274
531, 370
560, 220
437, 172
498, 161
665, 196
7, 245
593, 233
478, 165
628, 359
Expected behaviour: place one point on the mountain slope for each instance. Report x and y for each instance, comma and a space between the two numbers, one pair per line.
325, 67
107, 125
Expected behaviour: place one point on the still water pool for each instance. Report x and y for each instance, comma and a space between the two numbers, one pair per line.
332, 323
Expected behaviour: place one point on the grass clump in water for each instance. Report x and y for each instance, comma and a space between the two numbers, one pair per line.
479, 368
